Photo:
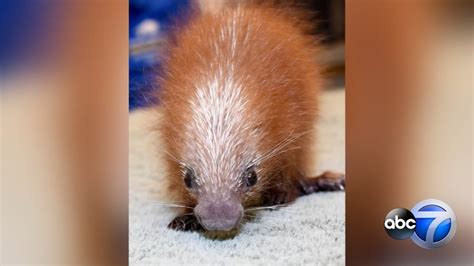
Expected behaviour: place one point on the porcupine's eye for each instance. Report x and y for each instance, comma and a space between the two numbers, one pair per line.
189, 178
250, 177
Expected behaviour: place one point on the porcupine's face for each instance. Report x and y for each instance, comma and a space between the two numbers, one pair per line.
218, 162
219, 194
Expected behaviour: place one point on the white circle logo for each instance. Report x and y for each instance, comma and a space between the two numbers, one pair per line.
435, 224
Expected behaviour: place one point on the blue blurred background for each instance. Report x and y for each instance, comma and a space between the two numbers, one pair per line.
149, 23
28, 30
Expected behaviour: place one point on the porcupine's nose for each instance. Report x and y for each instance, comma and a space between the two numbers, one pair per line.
219, 215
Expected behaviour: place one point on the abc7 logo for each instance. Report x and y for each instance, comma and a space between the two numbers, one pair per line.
430, 224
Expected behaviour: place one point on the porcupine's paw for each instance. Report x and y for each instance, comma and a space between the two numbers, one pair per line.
279, 197
328, 181
185, 223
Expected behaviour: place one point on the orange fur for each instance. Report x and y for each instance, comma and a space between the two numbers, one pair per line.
275, 62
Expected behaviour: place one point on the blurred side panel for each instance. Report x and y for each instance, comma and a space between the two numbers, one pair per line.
64, 124
409, 124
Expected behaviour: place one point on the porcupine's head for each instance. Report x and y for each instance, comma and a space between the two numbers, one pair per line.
224, 81
215, 147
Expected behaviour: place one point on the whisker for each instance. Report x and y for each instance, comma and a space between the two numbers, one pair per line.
167, 154
280, 146
250, 216
273, 207
189, 213
171, 205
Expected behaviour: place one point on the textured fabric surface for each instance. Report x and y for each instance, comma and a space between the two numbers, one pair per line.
311, 231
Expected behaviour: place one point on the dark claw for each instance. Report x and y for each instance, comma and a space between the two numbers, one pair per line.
328, 181
279, 197
185, 223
